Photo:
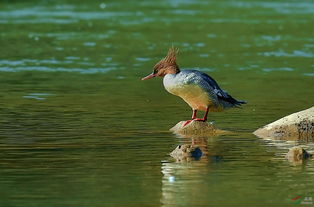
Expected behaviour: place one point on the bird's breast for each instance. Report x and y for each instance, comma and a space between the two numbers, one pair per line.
193, 94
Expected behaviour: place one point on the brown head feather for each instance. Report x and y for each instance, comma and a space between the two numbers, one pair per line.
171, 56
167, 65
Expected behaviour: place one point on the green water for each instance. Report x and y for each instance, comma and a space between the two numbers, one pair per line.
79, 128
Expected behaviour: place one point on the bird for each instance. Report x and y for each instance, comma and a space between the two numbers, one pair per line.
200, 91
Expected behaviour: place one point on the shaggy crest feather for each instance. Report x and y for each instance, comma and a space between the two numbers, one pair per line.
171, 56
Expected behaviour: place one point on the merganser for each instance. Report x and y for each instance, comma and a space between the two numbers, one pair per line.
197, 89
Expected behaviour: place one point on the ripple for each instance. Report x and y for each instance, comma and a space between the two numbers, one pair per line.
204, 55
39, 20
37, 96
120, 77
25, 61
278, 69
185, 12
271, 38
39, 13
73, 35
89, 44
59, 69
309, 74
36, 15
34, 97
141, 59
11, 62
233, 20
200, 44
211, 35
72, 58
280, 7
245, 68
280, 53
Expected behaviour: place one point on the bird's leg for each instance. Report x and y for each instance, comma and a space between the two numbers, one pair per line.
193, 118
194, 114
205, 116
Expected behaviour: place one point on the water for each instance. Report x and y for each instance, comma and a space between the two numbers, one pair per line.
79, 128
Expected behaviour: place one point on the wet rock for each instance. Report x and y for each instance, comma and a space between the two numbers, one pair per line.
186, 151
297, 155
297, 126
197, 128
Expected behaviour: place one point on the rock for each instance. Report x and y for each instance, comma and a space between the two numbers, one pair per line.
297, 126
186, 151
196, 128
297, 155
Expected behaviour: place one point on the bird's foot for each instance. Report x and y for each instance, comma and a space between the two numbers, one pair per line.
199, 119
187, 122
196, 119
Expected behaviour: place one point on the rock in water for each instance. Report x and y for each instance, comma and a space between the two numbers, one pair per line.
297, 126
196, 128
297, 155
186, 151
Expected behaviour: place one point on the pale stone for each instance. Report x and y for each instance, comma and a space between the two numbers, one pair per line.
297, 126
196, 128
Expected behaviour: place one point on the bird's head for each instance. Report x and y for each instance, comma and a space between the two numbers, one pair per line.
165, 66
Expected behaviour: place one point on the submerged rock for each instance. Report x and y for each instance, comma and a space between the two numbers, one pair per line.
297, 155
186, 151
297, 126
196, 128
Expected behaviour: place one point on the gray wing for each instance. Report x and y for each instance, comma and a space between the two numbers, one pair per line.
211, 82
221, 94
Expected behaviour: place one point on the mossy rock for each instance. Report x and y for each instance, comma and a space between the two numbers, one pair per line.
297, 126
196, 128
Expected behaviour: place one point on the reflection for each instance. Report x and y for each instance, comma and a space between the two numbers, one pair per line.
297, 155
182, 182
294, 152
186, 152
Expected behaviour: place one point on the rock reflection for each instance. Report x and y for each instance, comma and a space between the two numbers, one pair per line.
182, 181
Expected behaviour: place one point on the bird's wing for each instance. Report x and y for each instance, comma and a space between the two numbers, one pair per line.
213, 84
221, 94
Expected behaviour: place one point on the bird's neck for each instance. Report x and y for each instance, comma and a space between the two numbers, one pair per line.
173, 69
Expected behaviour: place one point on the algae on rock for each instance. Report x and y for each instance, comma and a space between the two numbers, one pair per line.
296, 126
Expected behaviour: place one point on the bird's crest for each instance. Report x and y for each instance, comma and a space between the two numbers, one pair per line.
171, 56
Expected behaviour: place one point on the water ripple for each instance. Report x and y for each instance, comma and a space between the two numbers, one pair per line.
25, 61
37, 96
39, 13
278, 69
59, 69
309, 74
280, 53
280, 7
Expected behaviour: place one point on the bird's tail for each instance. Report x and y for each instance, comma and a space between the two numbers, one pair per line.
232, 102
240, 102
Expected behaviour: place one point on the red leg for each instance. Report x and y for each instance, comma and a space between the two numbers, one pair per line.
194, 114
193, 117
205, 116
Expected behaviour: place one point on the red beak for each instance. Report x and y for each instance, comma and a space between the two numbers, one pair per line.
149, 76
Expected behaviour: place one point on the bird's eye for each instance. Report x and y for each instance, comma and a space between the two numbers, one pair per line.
155, 71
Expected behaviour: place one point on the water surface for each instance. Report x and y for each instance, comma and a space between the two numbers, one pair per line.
79, 128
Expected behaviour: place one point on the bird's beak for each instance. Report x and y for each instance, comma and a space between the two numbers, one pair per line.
149, 76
